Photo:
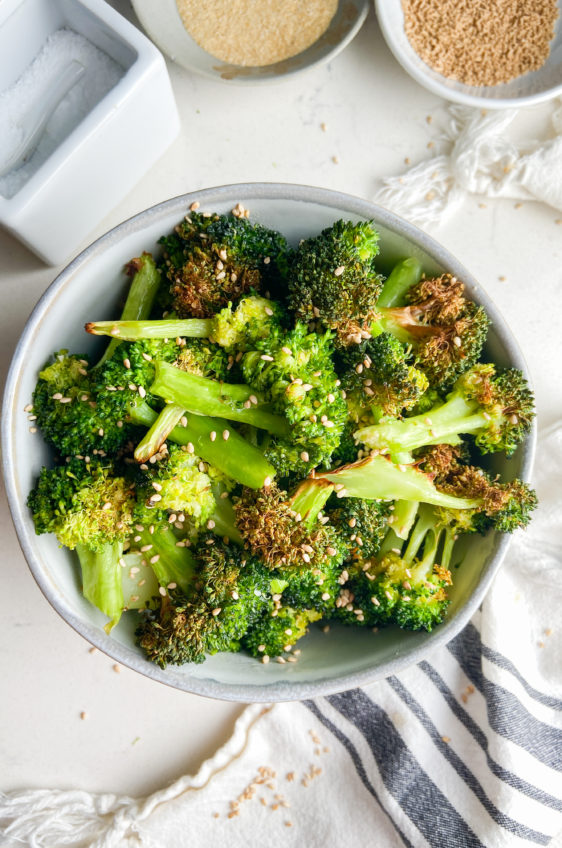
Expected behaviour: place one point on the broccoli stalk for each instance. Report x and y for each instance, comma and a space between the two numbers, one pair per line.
209, 397
173, 564
233, 329
142, 291
101, 580
167, 420
495, 407
377, 477
401, 279
234, 456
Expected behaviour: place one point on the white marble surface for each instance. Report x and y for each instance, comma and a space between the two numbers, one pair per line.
138, 735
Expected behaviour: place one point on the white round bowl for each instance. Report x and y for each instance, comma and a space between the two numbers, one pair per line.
164, 25
345, 657
526, 90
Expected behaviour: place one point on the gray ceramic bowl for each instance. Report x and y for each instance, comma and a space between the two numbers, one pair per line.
163, 24
341, 659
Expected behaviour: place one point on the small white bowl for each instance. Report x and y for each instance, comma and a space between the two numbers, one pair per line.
528, 89
111, 149
164, 25
345, 657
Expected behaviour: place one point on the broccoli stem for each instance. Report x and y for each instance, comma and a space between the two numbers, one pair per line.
209, 397
101, 580
132, 331
403, 517
169, 417
309, 499
140, 298
377, 478
235, 457
424, 534
441, 425
403, 276
171, 563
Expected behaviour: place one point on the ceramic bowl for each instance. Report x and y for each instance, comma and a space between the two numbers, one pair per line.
163, 24
343, 658
526, 90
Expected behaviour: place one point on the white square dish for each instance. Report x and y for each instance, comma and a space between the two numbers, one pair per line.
111, 149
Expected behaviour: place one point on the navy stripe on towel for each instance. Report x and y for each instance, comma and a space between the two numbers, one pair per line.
481, 739
421, 800
462, 769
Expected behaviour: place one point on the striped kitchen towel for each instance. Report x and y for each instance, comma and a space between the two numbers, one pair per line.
463, 749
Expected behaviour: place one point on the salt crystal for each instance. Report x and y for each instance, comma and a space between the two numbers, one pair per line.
101, 74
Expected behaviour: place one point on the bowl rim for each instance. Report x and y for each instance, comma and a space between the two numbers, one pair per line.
140, 7
288, 690
449, 93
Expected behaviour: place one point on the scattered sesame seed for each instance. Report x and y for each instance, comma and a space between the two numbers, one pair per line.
116, 668
212, 435
326, 628
304, 456
287, 350
83, 715
446, 739
195, 206
190, 447
210, 524
339, 270
267, 482
266, 358
162, 591
265, 659
253, 399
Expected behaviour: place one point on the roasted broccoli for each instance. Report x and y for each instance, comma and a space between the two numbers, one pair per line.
211, 261
333, 281
495, 407
445, 330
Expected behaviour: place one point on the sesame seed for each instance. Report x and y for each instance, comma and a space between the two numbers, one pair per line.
225, 435
286, 350
83, 715
331, 551
325, 596
253, 399
116, 668
195, 206
457, 341
190, 447
212, 435
33, 429
162, 591
265, 659
210, 524
132, 387
304, 456
267, 482
266, 358
388, 595
268, 310
375, 601
142, 392
216, 611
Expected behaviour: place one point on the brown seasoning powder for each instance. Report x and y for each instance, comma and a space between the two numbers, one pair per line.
256, 32
481, 42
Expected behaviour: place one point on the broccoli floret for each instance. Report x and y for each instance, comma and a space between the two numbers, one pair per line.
503, 506
361, 524
285, 531
295, 372
496, 407
234, 329
444, 329
90, 509
273, 635
332, 280
211, 261
83, 503
378, 379
407, 588
233, 591
174, 485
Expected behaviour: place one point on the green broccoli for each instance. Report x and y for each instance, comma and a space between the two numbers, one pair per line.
332, 280
232, 591
275, 634
445, 331
378, 380
213, 260
496, 407
89, 507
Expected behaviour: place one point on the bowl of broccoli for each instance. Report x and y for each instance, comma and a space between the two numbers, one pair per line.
266, 442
